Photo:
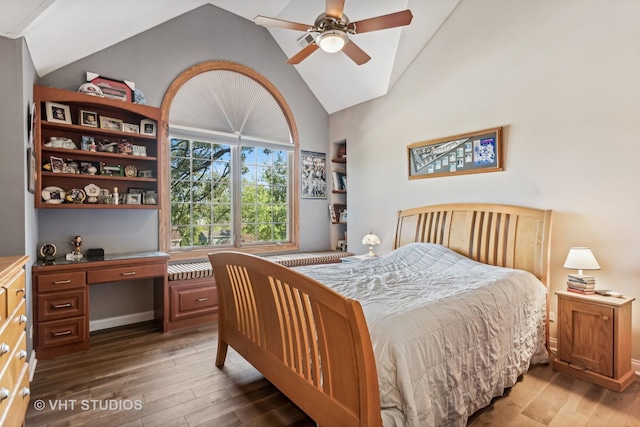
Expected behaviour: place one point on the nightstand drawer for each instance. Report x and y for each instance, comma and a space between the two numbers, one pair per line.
61, 281
126, 273
62, 332
62, 305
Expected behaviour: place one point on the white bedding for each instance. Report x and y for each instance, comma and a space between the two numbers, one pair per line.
448, 333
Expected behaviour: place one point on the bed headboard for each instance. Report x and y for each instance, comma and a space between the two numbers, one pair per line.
502, 235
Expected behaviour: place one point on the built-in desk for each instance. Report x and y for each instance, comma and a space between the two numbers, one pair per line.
61, 296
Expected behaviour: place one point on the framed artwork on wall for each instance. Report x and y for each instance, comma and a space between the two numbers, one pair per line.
313, 180
472, 152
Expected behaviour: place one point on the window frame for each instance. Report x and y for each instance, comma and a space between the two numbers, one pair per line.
164, 231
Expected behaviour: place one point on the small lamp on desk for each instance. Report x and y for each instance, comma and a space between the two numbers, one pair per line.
581, 259
371, 240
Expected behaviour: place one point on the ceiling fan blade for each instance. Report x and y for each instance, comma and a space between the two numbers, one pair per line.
287, 25
335, 8
383, 22
300, 56
356, 54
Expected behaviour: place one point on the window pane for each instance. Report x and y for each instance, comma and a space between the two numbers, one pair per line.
222, 214
179, 147
201, 214
180, 214
202, 150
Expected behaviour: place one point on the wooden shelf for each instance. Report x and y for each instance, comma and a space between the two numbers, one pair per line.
126, 112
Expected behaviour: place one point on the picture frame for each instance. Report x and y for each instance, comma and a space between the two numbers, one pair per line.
467, 153
88, 143
32, 176
88, 118
111, 170
150, 198
313, 175
109, 123
112, 88
145, 174
130, 128
133, 199
57, 164
148, 127
58, 113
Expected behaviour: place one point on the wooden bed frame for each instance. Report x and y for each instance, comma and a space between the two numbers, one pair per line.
313, 344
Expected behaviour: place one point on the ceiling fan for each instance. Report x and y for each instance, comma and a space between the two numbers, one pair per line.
332, 29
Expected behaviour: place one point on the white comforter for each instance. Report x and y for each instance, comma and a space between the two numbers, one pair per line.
448, 333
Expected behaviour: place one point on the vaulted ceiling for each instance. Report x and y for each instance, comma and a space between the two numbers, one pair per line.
92, 25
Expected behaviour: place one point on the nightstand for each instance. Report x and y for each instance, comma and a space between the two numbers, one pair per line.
594, 339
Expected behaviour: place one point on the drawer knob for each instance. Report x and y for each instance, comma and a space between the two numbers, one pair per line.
4, 348
22, 354
26, 392
4, 393
605, 317
130, 273
20, 290
62, 282
61, 305
59, 334
202, 299
22, 319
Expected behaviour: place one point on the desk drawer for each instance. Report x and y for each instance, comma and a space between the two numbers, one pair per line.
62, 305
191, 301
61, 281
62, 332
126, 273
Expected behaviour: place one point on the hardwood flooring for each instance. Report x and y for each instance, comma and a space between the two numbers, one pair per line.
136, 376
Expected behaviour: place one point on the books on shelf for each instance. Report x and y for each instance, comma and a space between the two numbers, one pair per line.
332, 213
339, 182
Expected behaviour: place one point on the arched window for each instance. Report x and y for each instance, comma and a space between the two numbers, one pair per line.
231, 164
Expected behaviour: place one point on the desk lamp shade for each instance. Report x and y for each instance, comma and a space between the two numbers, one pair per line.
581, 259
371, 240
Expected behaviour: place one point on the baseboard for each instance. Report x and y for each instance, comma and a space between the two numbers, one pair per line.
32, 365
114, 322
635, 364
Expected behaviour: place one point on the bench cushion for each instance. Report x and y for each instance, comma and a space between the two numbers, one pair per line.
194, 270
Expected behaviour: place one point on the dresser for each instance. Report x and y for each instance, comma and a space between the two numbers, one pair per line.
14, 369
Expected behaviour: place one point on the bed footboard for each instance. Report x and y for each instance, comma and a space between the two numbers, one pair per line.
310, 342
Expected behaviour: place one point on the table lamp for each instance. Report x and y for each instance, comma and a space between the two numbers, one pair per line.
371, 240
581, 259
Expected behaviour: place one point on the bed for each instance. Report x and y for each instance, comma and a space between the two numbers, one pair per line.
425, 335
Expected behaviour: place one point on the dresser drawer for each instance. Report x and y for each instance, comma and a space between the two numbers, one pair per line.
3, 306
61, 281
62, 332
193, 300
15, 292
126, 273
62, 305
11, 331
14, 408
15, 360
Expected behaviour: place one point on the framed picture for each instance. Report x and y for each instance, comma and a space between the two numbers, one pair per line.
313, 175
148, 127
111, 170
88, 118
32, 171
150, 198
145, 174
89, 143
137, 190
58, 113
133, 199
130, 128
114, 89
57, 164
110, 123
472, 152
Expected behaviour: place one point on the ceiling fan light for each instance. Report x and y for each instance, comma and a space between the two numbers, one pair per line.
332, 40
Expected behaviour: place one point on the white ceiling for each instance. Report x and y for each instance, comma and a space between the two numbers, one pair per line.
336, 81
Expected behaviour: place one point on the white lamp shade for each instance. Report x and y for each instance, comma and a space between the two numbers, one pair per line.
581, 259
370, 240
332, 41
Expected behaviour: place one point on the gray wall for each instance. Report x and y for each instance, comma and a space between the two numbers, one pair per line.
153, 60
18, 227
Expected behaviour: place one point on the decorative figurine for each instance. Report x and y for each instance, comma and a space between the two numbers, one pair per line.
76, 255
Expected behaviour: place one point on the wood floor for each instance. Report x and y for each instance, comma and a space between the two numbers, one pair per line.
137, 376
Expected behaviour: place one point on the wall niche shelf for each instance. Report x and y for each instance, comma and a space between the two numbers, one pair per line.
128, 172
